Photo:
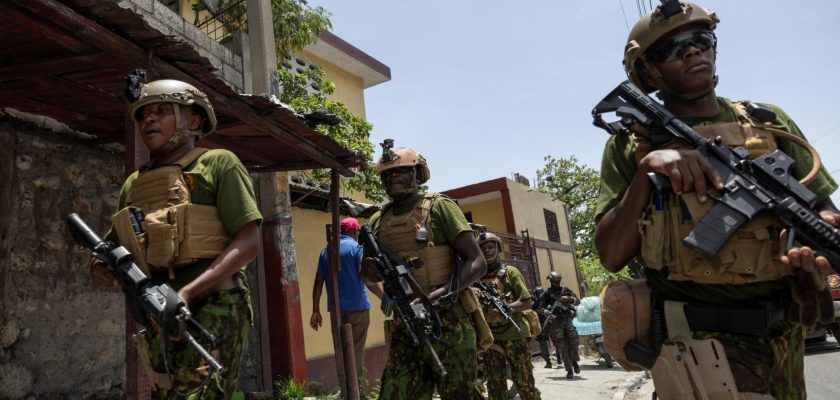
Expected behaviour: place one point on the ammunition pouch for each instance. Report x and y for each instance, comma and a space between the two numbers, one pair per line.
162, 227
751, 255
173, 236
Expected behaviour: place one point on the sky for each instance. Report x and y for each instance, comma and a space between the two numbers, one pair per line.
485, 89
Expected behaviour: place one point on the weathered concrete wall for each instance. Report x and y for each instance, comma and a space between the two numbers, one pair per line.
169, 23
60, 338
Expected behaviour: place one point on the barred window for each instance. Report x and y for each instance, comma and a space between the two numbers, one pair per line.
551, 226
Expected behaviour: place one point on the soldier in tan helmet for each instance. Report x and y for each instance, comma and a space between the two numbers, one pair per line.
199, 228
751, 302
511, 339
430, 228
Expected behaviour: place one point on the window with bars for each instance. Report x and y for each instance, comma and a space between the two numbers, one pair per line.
551, 226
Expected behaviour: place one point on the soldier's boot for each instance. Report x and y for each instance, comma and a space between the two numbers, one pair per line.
576, 367
559, 360
570, 375
548, 363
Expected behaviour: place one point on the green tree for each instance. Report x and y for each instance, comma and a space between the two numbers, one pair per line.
351, 131
295, 23
577, 185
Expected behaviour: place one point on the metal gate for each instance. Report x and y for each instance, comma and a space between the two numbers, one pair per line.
520, 252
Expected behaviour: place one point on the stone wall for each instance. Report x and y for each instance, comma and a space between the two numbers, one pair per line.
60, 337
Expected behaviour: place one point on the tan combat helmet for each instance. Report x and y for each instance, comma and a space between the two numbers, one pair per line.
652, 27
490, 237
180, 93
404, 157
486, 237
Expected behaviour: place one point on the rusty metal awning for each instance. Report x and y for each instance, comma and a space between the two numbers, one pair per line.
67, 60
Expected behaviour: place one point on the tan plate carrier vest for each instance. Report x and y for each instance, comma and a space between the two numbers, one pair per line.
751, 255
175, 231
399, 233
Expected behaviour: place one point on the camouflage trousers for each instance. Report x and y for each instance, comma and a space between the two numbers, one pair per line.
517, 355
227, 315
410, 373
565, 338
770, 365
545, 352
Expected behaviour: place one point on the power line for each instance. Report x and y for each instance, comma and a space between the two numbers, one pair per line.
826, 133
639, 8
625, 16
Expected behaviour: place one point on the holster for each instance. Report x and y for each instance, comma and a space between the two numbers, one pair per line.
689, 369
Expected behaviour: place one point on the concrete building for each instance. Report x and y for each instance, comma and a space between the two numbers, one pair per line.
352, 71
535, 227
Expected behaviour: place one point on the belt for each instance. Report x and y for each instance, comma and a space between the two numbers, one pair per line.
754, 320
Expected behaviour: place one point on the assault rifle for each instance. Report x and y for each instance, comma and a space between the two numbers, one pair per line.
419, 317
490, 297
557, 309
750, 186
145, 299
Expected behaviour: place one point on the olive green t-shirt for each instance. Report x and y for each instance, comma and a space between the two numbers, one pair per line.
513, 283
217, 178
618, 167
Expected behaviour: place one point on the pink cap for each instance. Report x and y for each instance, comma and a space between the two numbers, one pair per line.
348, 224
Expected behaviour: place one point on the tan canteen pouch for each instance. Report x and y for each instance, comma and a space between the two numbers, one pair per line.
533, 320
483, 334
625, 317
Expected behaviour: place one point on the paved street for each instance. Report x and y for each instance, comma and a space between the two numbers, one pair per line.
595, 382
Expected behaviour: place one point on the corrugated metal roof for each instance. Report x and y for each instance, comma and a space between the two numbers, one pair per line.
68, 60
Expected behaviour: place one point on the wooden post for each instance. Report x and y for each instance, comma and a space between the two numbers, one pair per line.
350, 363
334, 264
280, 287
136, 384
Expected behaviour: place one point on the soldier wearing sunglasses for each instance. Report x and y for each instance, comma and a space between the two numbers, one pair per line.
755, 298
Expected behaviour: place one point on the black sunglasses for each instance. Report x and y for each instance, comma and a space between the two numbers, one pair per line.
673, 48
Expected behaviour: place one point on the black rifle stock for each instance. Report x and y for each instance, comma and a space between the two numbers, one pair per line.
490, 297
145, 300
750, 186
419, 318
